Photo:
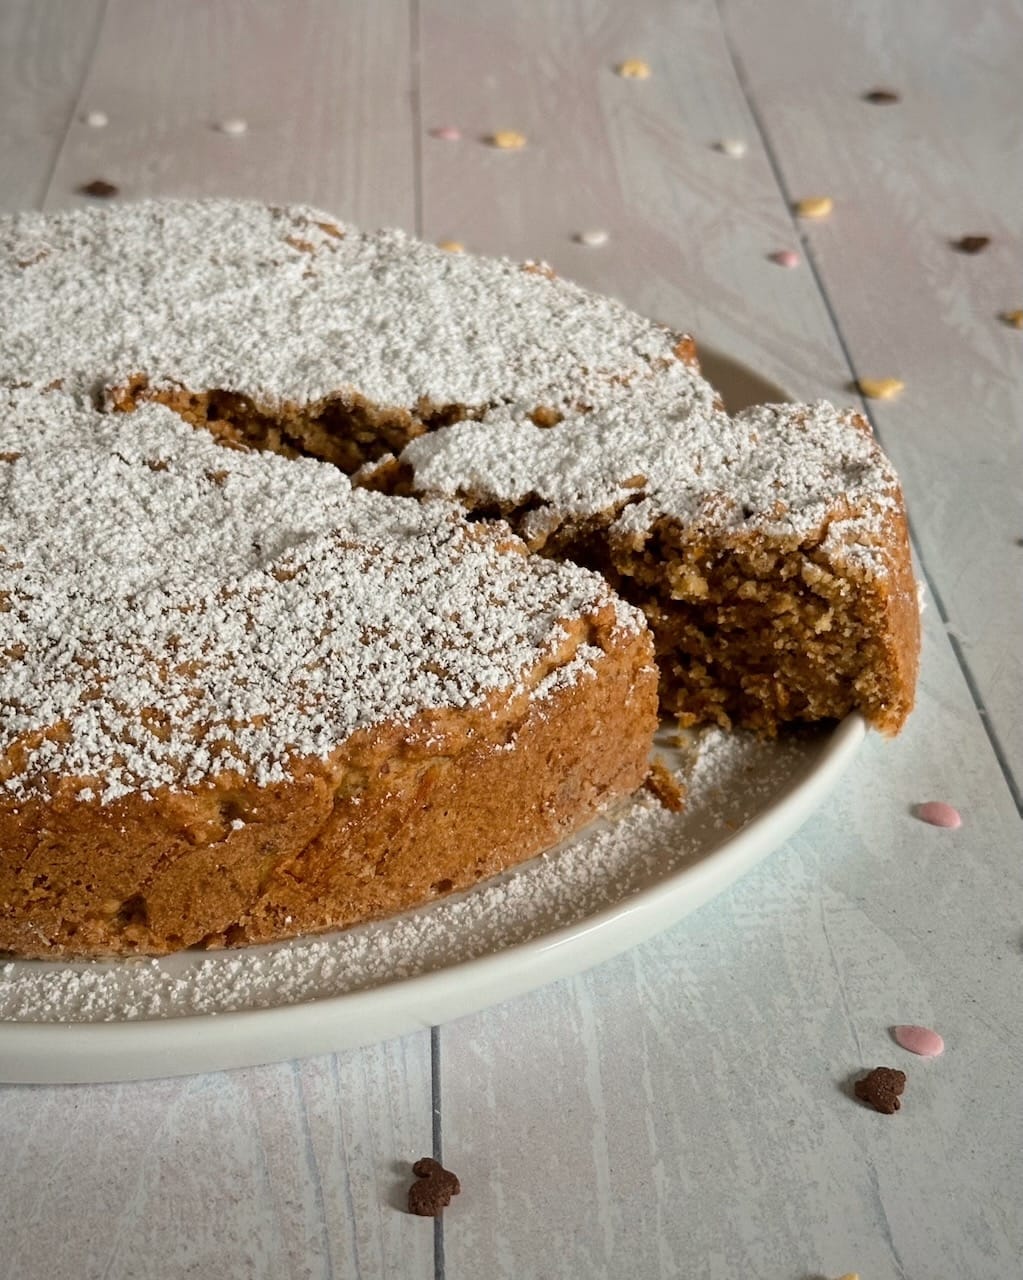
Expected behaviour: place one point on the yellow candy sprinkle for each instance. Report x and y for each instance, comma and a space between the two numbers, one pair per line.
815, 206
1015, 318
880, 388
850, 1275
508, 140
452, 246
634, 69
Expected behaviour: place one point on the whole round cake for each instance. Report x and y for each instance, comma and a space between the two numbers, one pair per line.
333, 568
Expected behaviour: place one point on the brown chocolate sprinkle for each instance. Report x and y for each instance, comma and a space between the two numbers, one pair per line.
882, 97
881, 1089
99, 188
662, 783
432, 1192
971, 244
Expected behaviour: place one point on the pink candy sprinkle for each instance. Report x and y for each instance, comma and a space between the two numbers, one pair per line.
446, 133
939, 814
786, 258
921, 1040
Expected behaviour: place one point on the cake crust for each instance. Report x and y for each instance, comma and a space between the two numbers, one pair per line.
396, 816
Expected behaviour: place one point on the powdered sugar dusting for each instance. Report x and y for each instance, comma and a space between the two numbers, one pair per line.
729, 777
283, 305
173, 611
787, 470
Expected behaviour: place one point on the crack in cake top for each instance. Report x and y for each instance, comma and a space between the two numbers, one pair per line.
171, 611
286, 306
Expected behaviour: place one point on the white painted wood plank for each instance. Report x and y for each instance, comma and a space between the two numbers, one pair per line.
44, 54
907, 179
680, 1111
323, 87
684, 1110
293, 1170
283, 1171
690, 228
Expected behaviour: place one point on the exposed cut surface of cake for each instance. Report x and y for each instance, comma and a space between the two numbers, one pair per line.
243, 699
768, 550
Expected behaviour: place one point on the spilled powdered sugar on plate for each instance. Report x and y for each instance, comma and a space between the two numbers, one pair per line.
730, 779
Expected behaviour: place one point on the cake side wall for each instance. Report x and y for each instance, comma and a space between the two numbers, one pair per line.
426, 825
382, 825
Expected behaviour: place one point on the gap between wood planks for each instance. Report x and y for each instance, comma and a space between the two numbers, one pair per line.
415, 45
44, 193
772, 157
438, 1149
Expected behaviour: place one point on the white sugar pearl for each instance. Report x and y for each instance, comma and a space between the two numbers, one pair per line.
234, 126
593, 239
734, 147
96, 119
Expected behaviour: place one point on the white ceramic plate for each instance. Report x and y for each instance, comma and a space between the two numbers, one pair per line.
622, 880
614, 886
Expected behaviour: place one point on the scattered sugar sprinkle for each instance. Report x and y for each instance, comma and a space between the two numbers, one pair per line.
96, 119
939, 814
634, 69
451, 246
1013, 318
971, 244
735, 148
881, 97
814, 206
919, 1040
593, 239
98, 188
786, 258
446, 133
729, 778
234, 126
507, 140
880, 388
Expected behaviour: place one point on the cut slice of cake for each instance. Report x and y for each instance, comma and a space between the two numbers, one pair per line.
768, 551
243, 701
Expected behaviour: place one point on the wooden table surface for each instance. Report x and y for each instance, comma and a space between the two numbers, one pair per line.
682, 1110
